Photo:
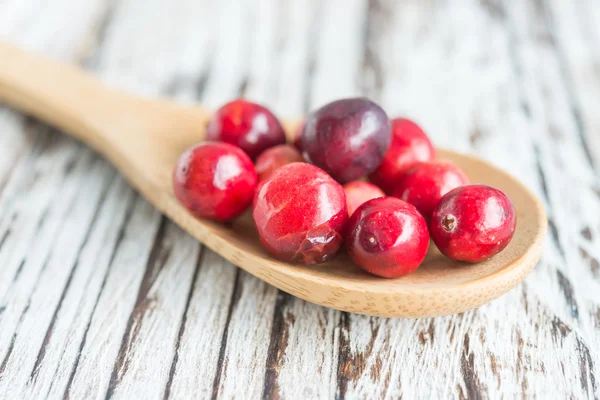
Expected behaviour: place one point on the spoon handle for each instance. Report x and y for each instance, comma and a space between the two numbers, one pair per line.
77, 102
63, 95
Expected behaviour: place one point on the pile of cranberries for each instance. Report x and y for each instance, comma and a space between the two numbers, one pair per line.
303, 213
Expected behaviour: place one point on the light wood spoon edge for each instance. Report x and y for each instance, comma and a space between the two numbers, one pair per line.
143, 138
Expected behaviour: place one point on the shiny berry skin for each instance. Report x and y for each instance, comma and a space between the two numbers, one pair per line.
409, 146
274, 158
387, 237
359, 192
250, 126
472, 223
424, 184
347, 138
300, 214
215, 180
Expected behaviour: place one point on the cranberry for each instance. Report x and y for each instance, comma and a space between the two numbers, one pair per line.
347, 138
409, 146
359, 192
473, 223
214, 180
424, 184
274, 158
300, 214
387, 237
247, 125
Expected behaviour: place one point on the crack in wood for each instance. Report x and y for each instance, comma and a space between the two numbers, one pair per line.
524, 301
555, 237
159, 254
567, 289
541, 174
559, 329
4, 237
352, 364
348, 368
42, 351
522, 364
28, 130
494, 8
585, 232
311, 65
182, 325
595, 314
592, 261
120, 236
476, 136
544, 184
596, 191
18, 271
97, 37
575, 108
427, 336
235, 297
495, 368
14, 337
473, 386
26, 308
49, 331
371, 65
586, 367
280, 331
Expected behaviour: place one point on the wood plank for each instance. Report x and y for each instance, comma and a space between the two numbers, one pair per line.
37, 288
93, 371
60, 357
34, 25
297, 34
198, 350
153, 327
230, 54
576, 37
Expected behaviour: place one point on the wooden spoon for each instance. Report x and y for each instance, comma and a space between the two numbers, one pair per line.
143, 139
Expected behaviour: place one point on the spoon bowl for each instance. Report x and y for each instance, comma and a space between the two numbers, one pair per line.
143, 138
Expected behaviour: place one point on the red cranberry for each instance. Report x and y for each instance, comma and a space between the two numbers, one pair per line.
347, 138
473, 223
424, 184
359, 192
247, 125
409, 146
387, 237
300, 214
214, 180
274, 158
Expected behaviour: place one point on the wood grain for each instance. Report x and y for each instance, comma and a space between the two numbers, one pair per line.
514, 82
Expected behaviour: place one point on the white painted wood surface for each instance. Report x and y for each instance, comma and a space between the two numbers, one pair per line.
102, 297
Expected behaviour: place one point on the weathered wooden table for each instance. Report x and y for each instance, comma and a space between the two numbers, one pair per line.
101, 296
